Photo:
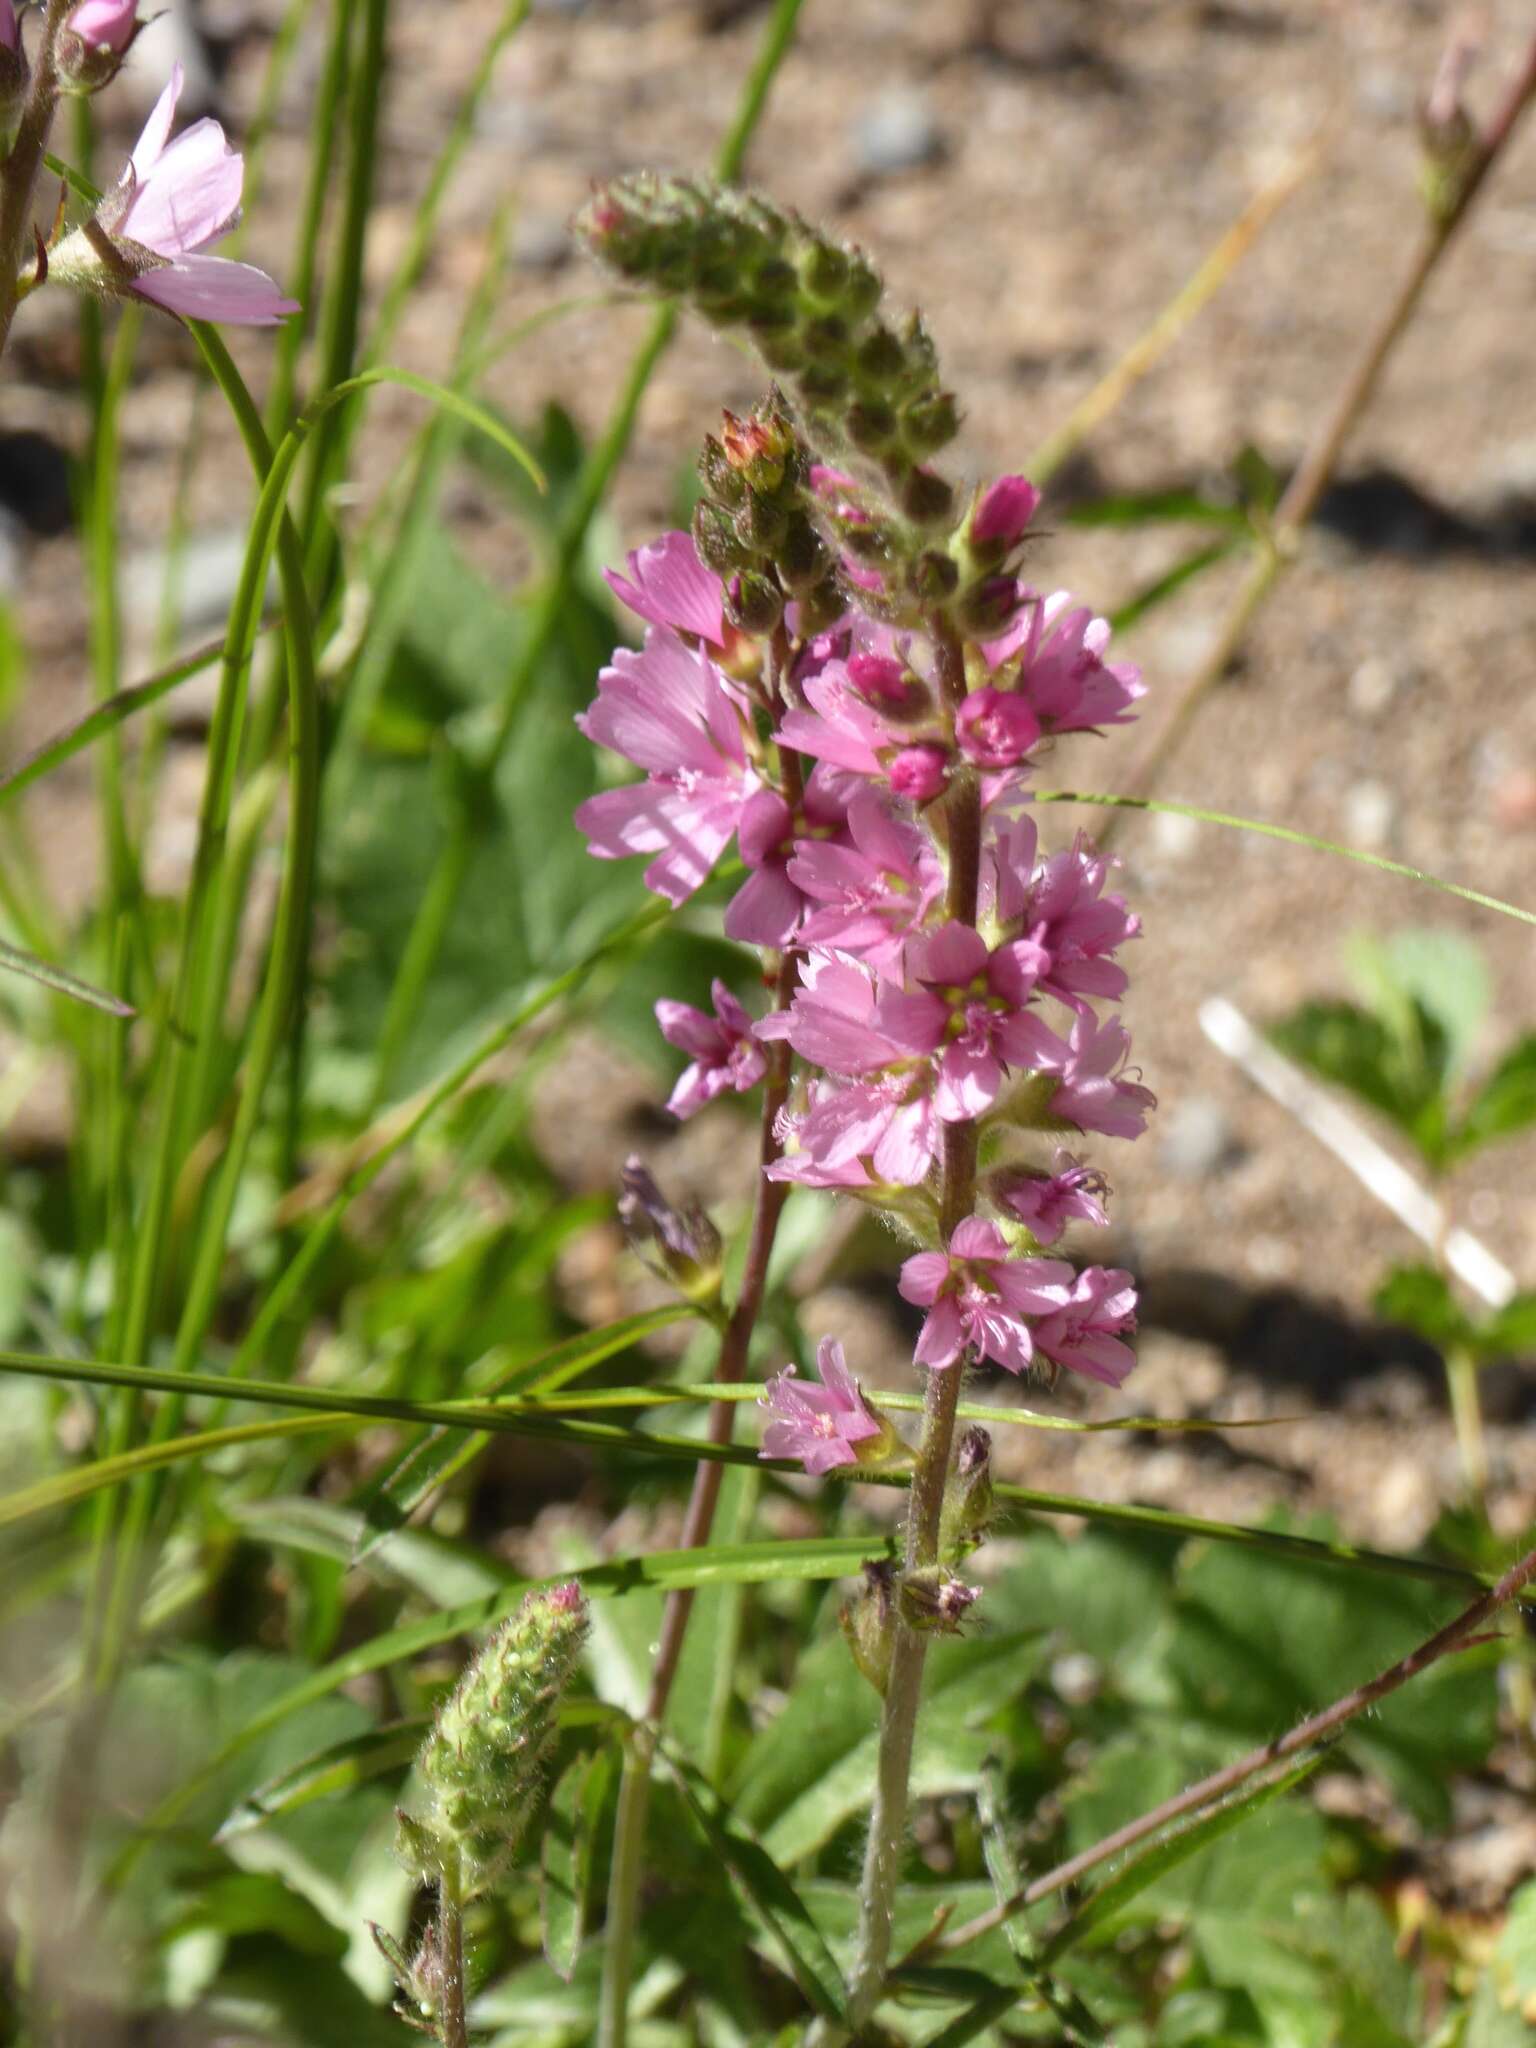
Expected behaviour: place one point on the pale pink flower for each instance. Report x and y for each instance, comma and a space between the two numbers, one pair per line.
819, 1425
171, 202
872, 893
724, 1052
105, 24
1093, 1092
1054, 654
971, 1013
977, 1297
668, 585
842, 726
666, 709
1084, 1334
1047, 1202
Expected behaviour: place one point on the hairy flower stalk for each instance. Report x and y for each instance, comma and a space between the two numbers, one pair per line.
844, 671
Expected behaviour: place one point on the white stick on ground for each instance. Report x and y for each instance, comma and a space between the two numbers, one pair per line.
1372, 1165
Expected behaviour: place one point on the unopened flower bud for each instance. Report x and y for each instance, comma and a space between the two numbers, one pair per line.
919, 773
761, 524
481, 1769
820, 607
1446, 130
801, 557
754, 604
824, 272
927, 498
871, 425
861, 289
758, 448
714, 536
866, 1623
880, 360
967, 1512
934, 1602
998, 518
418, 1978
930, 422
94, 42
681, 1246
721, 480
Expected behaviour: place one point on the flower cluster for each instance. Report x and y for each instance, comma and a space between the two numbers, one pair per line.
829, 758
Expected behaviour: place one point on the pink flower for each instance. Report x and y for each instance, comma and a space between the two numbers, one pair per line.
1002, 512
105, 24
919, 773
995, 728
724, 1052
171, 202
977, 1297
767, 909
832, 1021
669, 586
819, 1425
842, 726
666, 709
1062, 908
1046, 1202
1057, 652
872, 893
971, 1013
10, 38
1092, 1092
855, 1132
1084, 1334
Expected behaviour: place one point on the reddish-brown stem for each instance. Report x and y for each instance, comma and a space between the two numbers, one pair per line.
1305, 489
1456, 1635
18, 173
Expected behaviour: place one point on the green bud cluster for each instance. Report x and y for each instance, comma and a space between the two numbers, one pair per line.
753, 524
482, 1767
810, 304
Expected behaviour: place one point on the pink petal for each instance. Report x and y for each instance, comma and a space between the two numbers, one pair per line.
922, 1277
211, 288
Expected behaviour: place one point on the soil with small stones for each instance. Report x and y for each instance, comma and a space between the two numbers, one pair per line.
1041, 179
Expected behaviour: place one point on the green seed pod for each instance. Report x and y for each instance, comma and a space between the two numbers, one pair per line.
722, 482
715, 538
824, 272
821, 606
967, 1512
802, 557
930, 422
754, 604
871, 425
928, 499
880, 360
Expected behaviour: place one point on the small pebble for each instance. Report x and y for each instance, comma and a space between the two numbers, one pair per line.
1372, 688
1370, 810
1195, 1138
896, 132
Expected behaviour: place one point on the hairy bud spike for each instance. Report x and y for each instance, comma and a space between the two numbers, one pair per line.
481, 1769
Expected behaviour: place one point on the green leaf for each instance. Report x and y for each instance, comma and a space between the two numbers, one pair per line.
1505, 1104
967, 1683
1510, 1332
567, 1856
1104, 1905
102, 718
1440, 975
1421, 1300
766, 1891
1401, 1073
1168, 585
1149, 508
338, 1768
14, 959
